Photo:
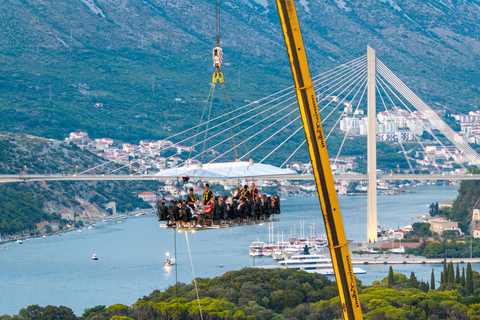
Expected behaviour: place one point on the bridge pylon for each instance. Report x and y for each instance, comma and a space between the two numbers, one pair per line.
371, 148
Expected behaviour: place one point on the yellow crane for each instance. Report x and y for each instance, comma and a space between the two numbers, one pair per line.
317, 148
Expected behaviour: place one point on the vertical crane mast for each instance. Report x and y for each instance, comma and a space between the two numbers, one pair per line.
317, 148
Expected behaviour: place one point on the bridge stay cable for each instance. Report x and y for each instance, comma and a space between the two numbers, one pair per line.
358, 80
326, 74
350, 80
380, 86
351, 123
299, 116
342, 70
382, 83
422, 123
426, 111
400, 139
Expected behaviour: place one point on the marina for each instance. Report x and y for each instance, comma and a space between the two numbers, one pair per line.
123, 273
310, 263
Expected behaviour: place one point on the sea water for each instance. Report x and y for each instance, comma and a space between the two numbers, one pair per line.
59, 270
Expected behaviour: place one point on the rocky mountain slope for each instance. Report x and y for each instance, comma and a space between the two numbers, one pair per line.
22, 205
61, 57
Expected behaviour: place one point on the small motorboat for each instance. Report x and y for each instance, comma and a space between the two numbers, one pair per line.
169, 261
19, 241
220, 266
44, 237
95, 256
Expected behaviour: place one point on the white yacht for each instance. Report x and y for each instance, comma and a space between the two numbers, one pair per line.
400, 250
19, 241
256, 248
313, 263
95, 256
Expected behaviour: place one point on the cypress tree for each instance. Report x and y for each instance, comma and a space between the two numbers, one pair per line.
445, 273
469, 280
451, 273
462, 281
442, 278
432, 281
413, 282
391, 279
457, 274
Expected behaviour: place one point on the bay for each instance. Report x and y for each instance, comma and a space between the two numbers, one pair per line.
58, 270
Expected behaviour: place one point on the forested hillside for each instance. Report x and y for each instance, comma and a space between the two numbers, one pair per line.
277, 294
134, 57
22, 205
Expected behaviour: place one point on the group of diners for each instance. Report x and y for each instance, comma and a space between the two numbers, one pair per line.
243, 205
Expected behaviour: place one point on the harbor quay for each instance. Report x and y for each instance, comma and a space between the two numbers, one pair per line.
358, 259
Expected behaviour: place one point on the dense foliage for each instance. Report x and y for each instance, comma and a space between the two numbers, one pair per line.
22, 205
256, 294
20, 209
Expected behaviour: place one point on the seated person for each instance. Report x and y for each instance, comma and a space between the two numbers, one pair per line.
276, 204
241, 208
236, 194
162, 210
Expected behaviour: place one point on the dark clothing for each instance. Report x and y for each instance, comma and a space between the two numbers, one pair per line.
163, 212
191, 198
251, 207
207, 195
245, 193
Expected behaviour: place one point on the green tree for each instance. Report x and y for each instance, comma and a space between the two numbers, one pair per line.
118, 309
451, 273
413, 282
469, 279
462, 281
58, 313
432, 281
98, 312
32, 312
457, 274
48, 229
391, 279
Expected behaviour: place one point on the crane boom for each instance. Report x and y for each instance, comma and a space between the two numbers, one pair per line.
317, 148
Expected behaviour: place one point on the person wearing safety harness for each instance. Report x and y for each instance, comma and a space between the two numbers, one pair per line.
253, 191
207, 200
191, 199
245, 193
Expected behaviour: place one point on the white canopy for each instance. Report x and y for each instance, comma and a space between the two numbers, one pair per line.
241, 169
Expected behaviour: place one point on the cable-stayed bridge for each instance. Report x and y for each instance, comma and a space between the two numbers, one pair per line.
271, 125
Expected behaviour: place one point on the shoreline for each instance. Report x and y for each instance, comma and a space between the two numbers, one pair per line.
60, 232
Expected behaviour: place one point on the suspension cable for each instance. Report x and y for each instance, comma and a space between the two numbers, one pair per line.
399, 140
344, 68
351, 123
418, 138
421, 122
427, 111
194, 278
225, 93
210, 96
352, 80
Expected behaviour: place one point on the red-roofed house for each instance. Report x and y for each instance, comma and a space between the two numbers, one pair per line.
147, 196
75, 136
108, 141
476, 232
